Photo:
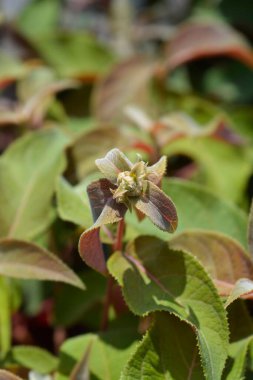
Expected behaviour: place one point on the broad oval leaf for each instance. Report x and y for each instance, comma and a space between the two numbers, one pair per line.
174, 281
199, 40
211, 249
168, 351
24, 260
28, 171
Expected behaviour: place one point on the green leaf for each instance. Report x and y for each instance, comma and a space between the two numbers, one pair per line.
46, 14
237, 359
34, 358
72, 203
28, 171
24, 260
74, 54
5, 317
212, 248
107, 357
189, 198
168, 351
174, 281
10, 68
72, 304
216, 215
223, 167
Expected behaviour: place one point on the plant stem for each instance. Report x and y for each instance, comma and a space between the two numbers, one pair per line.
117, 246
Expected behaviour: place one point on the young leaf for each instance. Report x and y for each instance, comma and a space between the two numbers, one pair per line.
28, 170
174, 281
34, 358
168, 351
212, 248
20, 259
158, 207
107, 357
90, 247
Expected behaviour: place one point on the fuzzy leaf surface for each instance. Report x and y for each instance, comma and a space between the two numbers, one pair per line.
168, 351
163, 279
211, 249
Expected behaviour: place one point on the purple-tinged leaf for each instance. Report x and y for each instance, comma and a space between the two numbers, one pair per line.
99, 192
90, 247
158, 207
20, 259
157, 171
113, 163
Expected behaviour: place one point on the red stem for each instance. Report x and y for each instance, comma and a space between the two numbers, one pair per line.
117, 246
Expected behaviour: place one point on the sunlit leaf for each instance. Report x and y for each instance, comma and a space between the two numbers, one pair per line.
223, 167
107, 356
72, 203
5, 317
74, 54
28, 170
20, 259
174, 281
243, 287
168, 351
35, 358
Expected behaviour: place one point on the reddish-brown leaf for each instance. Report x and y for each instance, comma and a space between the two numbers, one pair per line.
126, 84
195, 41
